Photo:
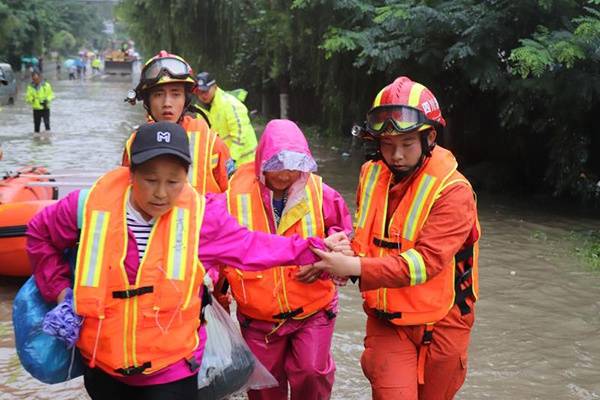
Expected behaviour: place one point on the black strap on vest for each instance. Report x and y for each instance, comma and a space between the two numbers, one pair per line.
134, 370
464, 255
461, 295
385, 244
289, 314
126, 294
386, 315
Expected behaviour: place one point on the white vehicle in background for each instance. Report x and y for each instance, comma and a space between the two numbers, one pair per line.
8, 92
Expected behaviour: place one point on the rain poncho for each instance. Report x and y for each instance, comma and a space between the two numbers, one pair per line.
39, 96
229, 118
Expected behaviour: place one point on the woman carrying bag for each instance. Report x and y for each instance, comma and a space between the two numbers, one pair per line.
145, 240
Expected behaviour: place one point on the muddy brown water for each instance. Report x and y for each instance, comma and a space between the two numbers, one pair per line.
537, 334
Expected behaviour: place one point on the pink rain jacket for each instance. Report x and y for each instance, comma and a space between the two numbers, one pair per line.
222, 241
283, 146
299, 351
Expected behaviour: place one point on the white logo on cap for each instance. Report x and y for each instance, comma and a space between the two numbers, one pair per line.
163, 137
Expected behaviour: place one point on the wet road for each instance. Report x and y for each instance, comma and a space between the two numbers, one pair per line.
537, 334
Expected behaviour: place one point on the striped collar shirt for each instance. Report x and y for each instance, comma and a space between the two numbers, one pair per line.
140, 228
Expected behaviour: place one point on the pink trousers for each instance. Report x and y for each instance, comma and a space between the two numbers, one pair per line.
298, 354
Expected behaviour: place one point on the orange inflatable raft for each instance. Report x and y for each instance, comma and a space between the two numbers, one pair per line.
13, 186
18, 204
13, 225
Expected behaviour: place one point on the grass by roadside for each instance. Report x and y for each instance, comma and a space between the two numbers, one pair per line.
587, 247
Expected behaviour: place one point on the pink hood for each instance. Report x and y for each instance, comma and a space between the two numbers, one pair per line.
283, 146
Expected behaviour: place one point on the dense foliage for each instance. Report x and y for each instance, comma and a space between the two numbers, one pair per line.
33, 27
519, 81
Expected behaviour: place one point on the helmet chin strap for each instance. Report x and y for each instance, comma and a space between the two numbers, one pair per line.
400, 175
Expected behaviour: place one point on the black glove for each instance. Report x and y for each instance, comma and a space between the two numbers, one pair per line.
44, 104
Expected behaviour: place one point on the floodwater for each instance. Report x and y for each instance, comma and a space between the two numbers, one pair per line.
537, 334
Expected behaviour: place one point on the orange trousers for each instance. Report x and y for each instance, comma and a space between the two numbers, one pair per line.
391, 352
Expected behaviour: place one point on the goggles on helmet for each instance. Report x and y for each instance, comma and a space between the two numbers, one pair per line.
401, 118
171, 66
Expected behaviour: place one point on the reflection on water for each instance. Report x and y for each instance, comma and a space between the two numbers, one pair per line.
537, 334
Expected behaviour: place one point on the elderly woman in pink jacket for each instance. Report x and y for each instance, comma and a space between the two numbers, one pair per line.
287, 323
145, 239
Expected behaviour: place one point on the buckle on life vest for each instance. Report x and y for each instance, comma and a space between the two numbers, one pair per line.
289, 314
386, 315
134, 370
386, 245
330, 314
427, 335
193, 364
126, 294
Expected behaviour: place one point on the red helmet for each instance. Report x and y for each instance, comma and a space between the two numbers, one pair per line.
165, 68
407, 105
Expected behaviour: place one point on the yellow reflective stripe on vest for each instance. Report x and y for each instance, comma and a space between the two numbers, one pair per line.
244, 207
214, 161
367, 194
94, 251
416, 265
194, 148
177, 259
410, 226
309, 220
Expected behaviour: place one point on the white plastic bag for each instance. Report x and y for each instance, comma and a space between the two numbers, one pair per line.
228, 365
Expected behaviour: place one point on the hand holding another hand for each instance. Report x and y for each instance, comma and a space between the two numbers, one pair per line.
340, 243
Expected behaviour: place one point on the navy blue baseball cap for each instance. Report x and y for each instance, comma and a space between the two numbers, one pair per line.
160, 138
205, 81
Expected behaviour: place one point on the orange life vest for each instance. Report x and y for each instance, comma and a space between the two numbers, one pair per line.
202, 142
141, 328
274, 294
426, 300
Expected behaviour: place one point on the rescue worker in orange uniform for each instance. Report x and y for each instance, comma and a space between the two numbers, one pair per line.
416, 238
165, 87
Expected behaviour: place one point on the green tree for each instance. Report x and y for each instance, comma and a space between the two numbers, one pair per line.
28, 27
517, 80
63, 42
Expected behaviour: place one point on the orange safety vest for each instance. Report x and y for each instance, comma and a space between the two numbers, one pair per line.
140, 328
202, 142
275, 295
426, 300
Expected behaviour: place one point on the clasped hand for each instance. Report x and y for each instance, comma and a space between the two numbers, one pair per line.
339, 261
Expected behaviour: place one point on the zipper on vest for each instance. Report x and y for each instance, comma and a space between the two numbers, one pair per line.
283, 289
276, 289
126, 323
